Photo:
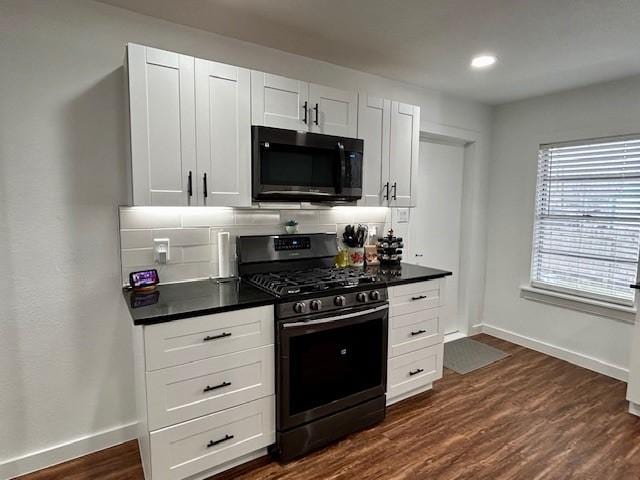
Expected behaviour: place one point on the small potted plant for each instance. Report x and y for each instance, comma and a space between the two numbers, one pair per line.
291, 226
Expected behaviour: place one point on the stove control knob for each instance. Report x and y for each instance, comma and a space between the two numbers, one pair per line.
361, 297
375, 295
316, 305
339, 301
299, 307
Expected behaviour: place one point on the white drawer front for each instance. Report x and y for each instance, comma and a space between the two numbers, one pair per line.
190, 448
188, 391
414, 331
414, 370
414, 297
183, 341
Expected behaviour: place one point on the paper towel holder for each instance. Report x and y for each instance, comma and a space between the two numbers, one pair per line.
225, 275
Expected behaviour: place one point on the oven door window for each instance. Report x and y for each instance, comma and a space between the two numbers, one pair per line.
283, 165
328, 365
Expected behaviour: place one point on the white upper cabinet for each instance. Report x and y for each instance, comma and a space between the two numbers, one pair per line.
374, 127
191, 120
162, 116
391, 134
223, 134
279, 102
333, 111
287, 103
403, 156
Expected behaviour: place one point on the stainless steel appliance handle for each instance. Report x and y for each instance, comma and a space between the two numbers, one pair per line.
339, 317
296, 192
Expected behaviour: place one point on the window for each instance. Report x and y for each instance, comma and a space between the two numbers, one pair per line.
587, 218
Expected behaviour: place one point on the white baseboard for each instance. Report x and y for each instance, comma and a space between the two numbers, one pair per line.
69, 450
450, 337
585, 361
475, 329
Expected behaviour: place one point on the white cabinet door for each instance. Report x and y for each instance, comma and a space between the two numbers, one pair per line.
403, 158
333, 111
279, 101
223, 134
374, 125
161, 108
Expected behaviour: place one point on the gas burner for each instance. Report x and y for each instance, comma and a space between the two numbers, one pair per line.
310, 280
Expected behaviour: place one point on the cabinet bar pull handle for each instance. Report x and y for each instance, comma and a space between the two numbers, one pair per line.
190, 183
306, 105
204, 180
213, 443
395, 187
208, 388
216, 337
316, 109
418, 332
386, 191
416, 371
419, 297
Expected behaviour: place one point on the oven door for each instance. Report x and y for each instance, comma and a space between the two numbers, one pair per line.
328, 364
296, 166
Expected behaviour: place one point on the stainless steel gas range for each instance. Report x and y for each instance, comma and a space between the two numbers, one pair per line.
331, 339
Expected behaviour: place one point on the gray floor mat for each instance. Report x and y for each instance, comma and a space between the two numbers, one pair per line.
466, 355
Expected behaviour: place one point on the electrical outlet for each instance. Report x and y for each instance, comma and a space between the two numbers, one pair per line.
402, 215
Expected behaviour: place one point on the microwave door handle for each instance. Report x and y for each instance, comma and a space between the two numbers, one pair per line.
295, 192
342, 171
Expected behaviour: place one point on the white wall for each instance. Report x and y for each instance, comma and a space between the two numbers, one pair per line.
65, 351
597, 111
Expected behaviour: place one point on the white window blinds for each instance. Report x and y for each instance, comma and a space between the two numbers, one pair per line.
587, 225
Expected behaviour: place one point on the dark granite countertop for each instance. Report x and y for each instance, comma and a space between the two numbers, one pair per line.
406, 273
203, 297
189, 299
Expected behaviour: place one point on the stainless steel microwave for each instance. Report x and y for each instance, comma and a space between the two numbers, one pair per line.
299, 166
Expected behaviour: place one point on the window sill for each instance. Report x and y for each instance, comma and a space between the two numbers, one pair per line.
586, 305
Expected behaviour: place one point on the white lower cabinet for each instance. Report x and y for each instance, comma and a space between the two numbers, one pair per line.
415, 339
205, 390
180, 393
414, 371
202, 444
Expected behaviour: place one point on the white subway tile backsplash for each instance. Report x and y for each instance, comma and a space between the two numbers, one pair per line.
136, 239
184, 271
313, 228
137, 257
150, 217
198, 253
336, 215
193, 233
207, 216
179, 237
301, 216
257, 217
141, 257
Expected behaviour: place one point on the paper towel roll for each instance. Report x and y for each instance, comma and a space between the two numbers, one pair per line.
224, 259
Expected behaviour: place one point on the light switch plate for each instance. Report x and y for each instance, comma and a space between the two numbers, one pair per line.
402, 215
161, 250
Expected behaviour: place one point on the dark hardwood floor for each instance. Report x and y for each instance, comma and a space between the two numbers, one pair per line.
529, 416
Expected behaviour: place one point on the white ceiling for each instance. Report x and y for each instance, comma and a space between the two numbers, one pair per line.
542, 45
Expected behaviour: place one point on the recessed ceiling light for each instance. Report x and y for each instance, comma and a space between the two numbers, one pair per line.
483, 61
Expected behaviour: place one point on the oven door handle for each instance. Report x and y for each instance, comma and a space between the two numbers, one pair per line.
336, 318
